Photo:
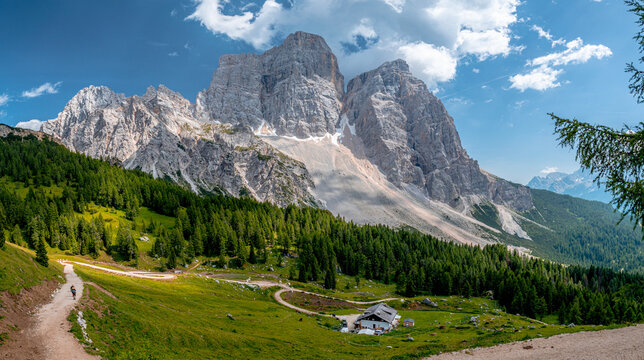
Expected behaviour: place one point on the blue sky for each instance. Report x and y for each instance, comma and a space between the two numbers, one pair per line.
498, 65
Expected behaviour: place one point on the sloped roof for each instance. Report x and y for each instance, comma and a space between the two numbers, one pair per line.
408, 320
382, 311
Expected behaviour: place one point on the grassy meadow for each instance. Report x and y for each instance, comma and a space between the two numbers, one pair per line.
188, 318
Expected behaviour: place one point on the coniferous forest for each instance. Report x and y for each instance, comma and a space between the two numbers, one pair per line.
238, 231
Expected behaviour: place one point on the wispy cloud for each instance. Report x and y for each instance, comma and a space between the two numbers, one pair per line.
549, 170
46, 88
4, 99
173, 54
576, 53
546, 69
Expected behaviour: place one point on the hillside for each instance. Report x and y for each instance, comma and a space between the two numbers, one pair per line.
19, 271
570, 230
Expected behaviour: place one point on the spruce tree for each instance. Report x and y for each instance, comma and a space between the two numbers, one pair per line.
16, 235
41, 252
614, 157
252, 258
329, 278
172, 259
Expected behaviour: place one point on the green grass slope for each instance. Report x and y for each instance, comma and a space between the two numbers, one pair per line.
19, 270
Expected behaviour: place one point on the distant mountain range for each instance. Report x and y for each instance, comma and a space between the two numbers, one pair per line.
578, 184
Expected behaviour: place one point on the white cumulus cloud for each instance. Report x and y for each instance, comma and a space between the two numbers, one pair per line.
33, 124
254, 28
541, 78
436, 63
542, 33
443, 32
397, 5
46, 88
484, 43
4, 99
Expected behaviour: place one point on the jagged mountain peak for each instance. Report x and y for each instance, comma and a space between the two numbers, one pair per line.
93, 97
295, 89
301, 40
152, 92
395, 65
407, 132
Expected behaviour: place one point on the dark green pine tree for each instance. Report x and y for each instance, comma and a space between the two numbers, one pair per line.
172, 259
329, 277
252, 258
41, 251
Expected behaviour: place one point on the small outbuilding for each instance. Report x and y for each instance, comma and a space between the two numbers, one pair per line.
408, 323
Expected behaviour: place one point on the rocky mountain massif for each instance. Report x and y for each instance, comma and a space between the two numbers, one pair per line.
280, 127
160, 134
578, 184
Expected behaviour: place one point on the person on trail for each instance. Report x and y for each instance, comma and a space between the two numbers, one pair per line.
73, 292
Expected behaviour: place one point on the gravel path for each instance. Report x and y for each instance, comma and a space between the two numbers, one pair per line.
618, 344
137, 274
52, 325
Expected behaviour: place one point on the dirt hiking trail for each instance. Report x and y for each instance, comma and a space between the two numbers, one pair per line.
52, 326
618, 344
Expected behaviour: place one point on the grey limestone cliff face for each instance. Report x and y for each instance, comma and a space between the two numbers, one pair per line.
159, 134
294, 89
407, 132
